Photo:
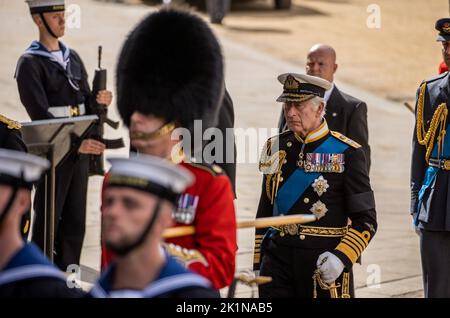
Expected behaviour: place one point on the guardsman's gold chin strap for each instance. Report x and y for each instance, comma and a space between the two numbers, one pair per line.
164, 130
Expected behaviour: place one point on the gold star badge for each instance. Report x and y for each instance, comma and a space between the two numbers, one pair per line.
319, 209
320, 185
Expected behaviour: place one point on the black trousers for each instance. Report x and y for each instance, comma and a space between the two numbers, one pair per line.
435, 254
71, 181
292, 271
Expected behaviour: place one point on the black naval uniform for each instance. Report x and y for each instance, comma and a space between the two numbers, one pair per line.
48, 90
430, 196
347, 115
30, 275
326, 175
11, 138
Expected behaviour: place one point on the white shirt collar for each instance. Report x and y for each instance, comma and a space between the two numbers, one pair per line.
328, 93
58, 55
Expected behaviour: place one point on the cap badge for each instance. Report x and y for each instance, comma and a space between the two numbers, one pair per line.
446, 27
291, 83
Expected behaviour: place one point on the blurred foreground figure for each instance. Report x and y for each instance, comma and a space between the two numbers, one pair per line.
139, 198
24, 270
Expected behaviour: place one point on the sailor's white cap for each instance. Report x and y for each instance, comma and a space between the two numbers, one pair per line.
41, 6
20, 168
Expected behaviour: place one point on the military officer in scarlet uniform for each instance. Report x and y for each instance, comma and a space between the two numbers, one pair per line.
160, 90
312, 170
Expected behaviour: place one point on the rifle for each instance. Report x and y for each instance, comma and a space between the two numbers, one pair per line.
410, 107
96, 164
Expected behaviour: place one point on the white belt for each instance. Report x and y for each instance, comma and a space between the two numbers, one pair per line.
67, 111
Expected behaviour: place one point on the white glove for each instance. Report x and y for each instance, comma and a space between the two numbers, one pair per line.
330, 267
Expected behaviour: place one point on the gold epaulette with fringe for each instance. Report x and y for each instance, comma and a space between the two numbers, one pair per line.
11, 124
345, 139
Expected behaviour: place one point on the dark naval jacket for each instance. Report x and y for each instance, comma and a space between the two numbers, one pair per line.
325, 175
30, 275
430, 184
43, 82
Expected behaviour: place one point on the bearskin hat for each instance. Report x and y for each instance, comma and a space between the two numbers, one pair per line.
171, 66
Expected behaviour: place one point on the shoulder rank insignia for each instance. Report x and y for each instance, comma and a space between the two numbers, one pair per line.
271, 158
11, 124
185, 256
345, 139
270, 164
213, 169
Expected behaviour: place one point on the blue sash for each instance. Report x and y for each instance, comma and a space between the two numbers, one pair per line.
431, 172
299, 181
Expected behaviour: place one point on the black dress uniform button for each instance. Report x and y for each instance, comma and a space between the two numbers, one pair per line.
306, 200
289, 144
302, 237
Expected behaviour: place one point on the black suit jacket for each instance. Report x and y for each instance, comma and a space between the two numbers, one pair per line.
226, 126
347, 115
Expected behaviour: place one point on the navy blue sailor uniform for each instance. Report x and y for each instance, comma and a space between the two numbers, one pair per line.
51, 88
173, 281
28, 274
430, 182
325, 175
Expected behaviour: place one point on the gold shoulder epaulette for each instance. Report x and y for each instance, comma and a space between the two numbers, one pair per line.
212, 169
274, 139
345, 139
184, 255
281, 135
11, 124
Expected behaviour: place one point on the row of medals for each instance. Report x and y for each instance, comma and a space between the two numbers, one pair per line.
335, 166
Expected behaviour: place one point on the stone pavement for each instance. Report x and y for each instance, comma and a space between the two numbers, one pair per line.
391, 264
